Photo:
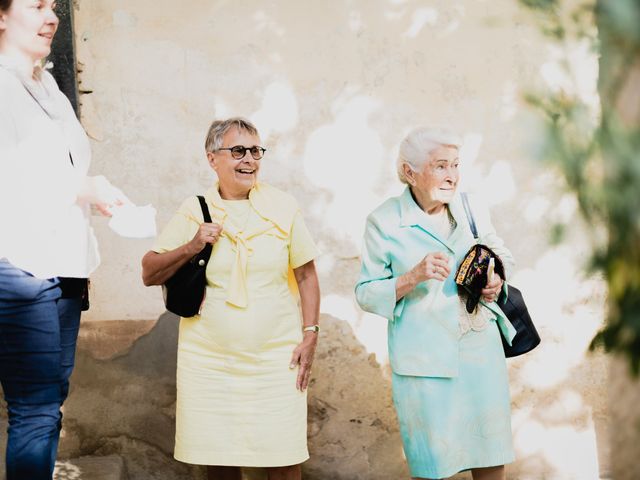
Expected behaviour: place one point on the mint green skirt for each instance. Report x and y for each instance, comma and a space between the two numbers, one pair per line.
453, 424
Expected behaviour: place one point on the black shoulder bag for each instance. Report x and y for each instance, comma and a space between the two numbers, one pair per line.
471, 277
184, 292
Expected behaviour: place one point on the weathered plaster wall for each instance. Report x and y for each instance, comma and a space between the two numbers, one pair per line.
624, 393
333, 87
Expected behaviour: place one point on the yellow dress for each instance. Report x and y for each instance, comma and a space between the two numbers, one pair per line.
237, 403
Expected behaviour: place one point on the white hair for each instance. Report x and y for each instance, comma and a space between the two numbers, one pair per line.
419, 143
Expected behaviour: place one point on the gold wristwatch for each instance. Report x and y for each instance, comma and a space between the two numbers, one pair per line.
312, 328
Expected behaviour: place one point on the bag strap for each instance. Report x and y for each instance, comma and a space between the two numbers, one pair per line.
205, 253
205, 209
467, 210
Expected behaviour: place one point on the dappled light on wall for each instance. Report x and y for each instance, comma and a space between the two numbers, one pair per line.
369, 329
561, 449
421, 18
279, 110
333, 92
345, 158
572, 70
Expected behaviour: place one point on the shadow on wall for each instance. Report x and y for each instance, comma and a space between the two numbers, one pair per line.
121, 412
120, 415
125, 407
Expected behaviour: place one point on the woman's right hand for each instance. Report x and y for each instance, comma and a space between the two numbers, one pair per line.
157, 268
207, 233
433, 266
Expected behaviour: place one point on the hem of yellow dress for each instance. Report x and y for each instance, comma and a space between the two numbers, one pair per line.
240, 460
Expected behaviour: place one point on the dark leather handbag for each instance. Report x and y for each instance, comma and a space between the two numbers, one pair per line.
527, 337
471, 278
183, 293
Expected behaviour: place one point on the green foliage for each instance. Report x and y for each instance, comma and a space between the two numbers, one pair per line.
621, 19
550, 23
599, 158
545, 6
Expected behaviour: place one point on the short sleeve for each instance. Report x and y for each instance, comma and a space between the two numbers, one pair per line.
180, 229
302, 248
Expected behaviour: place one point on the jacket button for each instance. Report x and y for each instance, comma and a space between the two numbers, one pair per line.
201, 262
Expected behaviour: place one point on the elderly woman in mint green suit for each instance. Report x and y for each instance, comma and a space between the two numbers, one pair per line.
450, 384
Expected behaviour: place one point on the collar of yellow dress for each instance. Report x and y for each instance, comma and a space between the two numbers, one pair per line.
271, 204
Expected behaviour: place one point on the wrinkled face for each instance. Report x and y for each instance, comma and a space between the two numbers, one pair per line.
438, 180
237, 176
28, 28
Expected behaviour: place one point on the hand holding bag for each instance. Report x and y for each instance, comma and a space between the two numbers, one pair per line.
183, 293
471, 278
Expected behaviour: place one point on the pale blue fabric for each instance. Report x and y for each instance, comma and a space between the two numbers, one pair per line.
423, 328
454, 424
450, 390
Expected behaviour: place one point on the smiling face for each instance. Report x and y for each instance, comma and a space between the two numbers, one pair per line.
27, 28
236, 177
436, 184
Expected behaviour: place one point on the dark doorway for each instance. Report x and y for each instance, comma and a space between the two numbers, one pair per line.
63, 54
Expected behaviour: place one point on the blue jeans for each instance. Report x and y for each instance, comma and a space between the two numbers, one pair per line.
38, 332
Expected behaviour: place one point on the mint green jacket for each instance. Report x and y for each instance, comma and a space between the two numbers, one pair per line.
423, 327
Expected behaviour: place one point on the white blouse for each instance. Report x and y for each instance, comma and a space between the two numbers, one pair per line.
44, 223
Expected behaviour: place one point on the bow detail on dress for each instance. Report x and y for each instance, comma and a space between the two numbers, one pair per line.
268, 203
237, 294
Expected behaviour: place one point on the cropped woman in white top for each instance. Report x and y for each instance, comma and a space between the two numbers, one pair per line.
47, 246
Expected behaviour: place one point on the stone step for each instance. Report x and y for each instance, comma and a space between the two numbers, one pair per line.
109, 467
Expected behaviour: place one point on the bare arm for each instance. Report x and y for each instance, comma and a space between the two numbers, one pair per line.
157, 268
309, 288
405, 284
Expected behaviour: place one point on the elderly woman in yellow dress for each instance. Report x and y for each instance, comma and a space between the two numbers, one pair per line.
450, 385
244, 362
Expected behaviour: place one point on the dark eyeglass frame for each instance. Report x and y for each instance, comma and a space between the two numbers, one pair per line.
239, 151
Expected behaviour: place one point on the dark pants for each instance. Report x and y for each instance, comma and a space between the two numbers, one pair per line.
38, 332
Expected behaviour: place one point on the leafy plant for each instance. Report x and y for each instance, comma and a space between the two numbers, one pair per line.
598, 154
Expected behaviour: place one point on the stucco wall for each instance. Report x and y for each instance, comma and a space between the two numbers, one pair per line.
333, 86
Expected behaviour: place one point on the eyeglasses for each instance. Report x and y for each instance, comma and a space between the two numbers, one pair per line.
238, 151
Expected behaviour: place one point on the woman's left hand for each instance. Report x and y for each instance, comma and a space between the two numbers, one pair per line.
491, 291
101, 193
307, 280
303, 357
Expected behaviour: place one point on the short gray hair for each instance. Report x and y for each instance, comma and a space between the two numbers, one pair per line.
419, 143
219, 127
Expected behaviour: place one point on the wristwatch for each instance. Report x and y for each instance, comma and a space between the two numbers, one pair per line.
312, 328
